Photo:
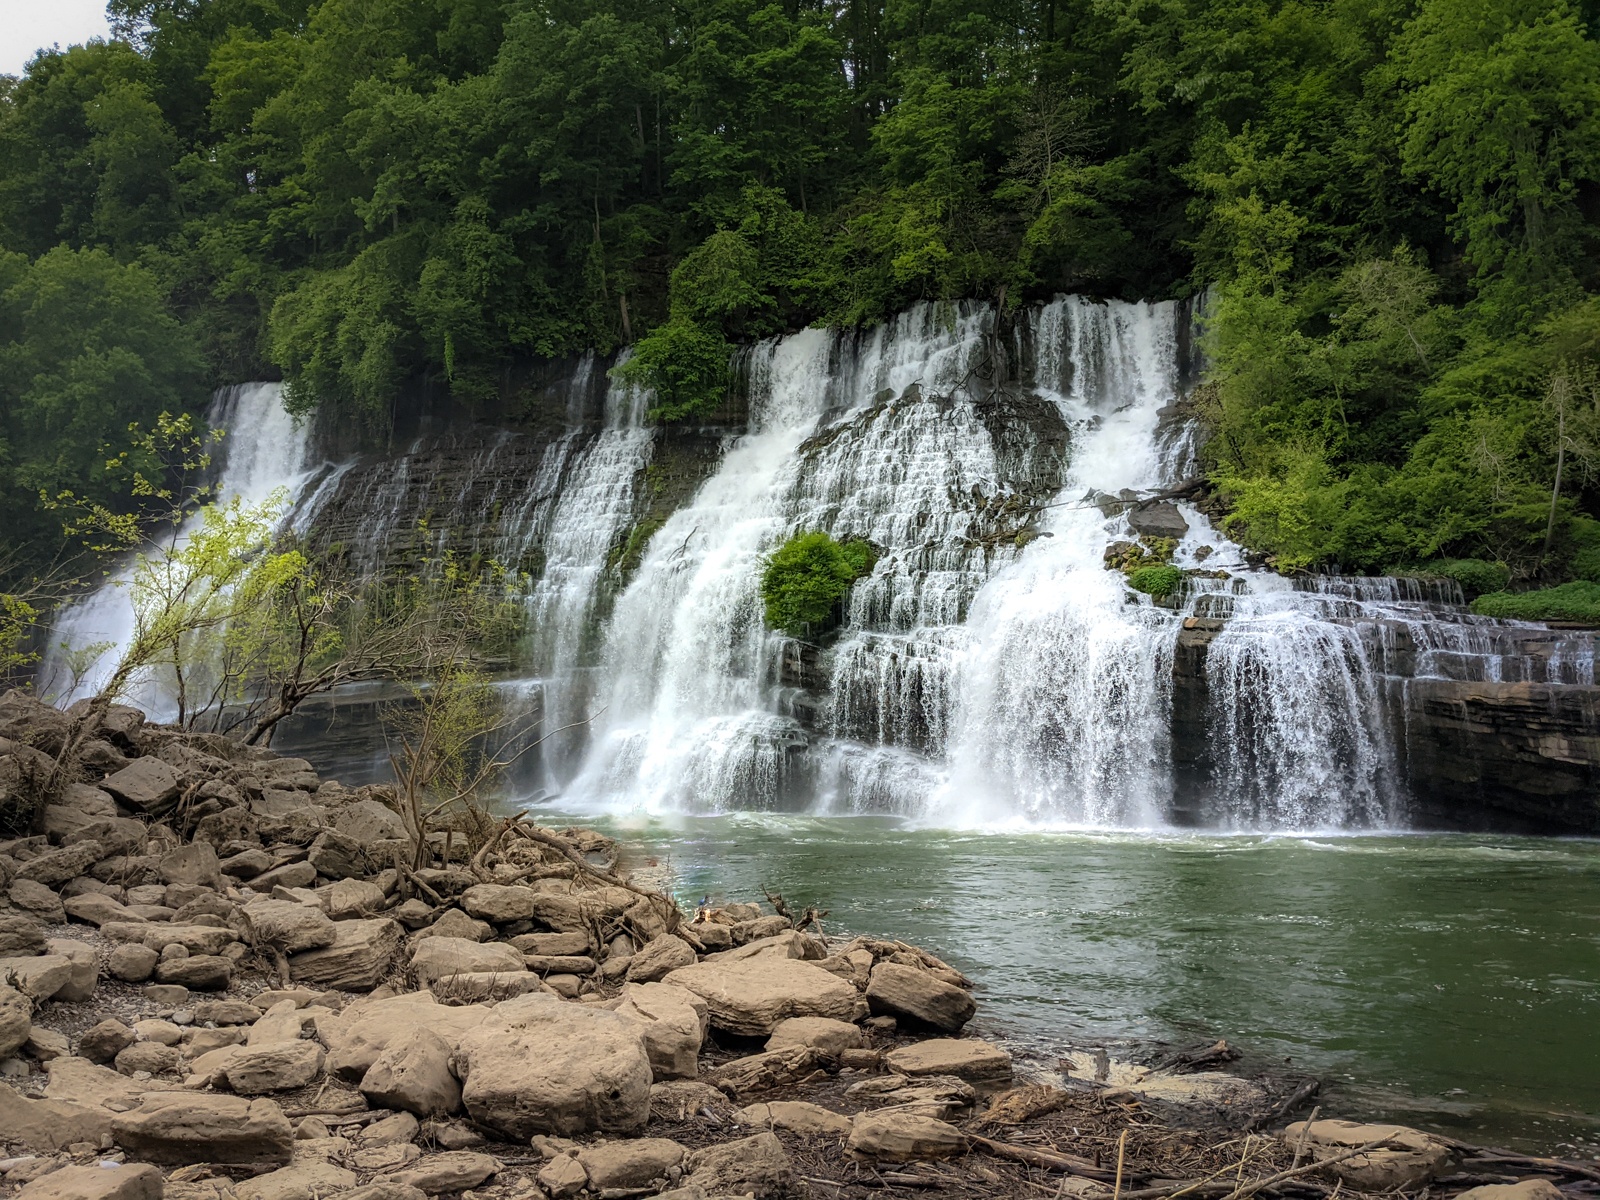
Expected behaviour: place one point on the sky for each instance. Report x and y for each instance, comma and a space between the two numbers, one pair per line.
26, 25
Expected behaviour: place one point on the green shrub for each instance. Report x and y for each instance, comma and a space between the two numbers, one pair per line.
1579, 601
807, 577
1159, 582
684, 364
1475, 575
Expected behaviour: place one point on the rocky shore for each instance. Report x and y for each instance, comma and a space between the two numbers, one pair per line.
224, 978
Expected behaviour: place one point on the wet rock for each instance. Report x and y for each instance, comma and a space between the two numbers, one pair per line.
665, 954
964, 1058
751, 997
757, 1166
441, 957
185, 1128
797, 1116
103, 1042
1161, 520
903, 1137
830, 1036
1406, 1159
98, 1181
673, 1023
902, 991
276, 1067
146, 784
360, 956
413, 1075
630, 1164
455, 1171
302, 1181
539, 1065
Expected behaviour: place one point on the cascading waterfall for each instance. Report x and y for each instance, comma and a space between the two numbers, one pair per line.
265, 451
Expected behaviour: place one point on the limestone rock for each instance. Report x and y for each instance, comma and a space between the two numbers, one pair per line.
290, 927
1528, 1189
367, 822
274, 1067
85, 962
540, 1065
185, 1128
55, 867
358, 1036
484, 987
830, 1036
455, 1171
386, 1191
116, 1181
351, 898
51, 1125
1407, 1158
132, 962
196, 939
38, 901
358, 959
46, 1044
94, 909
634, 1163
455, 924
227, 1011
289, 875
942, 1097
103, 1042
413, 1075
442, 957
40, 976
797, 1116
146, 784
498, 903
666, 954
82, 1082
337, 855
16, 1019
751, 997
757, 1166
200, 972
195, 863
553, 944
770, 1069
673, 1022
563, 1176
151, 1057
398, 1130
903, 991
903, 1137
20, 936
965, 1058
302, 1181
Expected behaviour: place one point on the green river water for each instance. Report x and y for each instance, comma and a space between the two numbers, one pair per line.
1451, 981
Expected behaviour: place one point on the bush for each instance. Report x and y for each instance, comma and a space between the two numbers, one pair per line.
684, 364
1475, 575
1159, 582
1578, 601
807, 577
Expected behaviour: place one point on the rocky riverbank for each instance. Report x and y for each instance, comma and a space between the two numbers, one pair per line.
224, 977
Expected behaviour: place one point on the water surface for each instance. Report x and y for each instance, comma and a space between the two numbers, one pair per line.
1451, 981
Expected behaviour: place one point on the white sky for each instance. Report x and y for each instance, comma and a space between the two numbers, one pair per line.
26, 25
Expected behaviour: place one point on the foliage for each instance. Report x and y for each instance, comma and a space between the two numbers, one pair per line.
1575, 601
1159, 582
1475, 576
806, 578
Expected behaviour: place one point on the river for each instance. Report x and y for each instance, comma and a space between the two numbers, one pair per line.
1450, 981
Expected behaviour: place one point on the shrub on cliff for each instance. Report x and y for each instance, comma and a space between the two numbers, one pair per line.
1579, 601
807, 577
1159, 582
1476, 576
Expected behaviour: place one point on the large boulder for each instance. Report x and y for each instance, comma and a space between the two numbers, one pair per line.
146, 784
540, 1065
498, 903
441, 957
413, 1075
173, 1127
357, 960
901, 991
98, 1181
1405, 1159
356, 1037
1161, 520
50, 1125
660, 958
750, 997
754, 1166
673, 1022
292, 927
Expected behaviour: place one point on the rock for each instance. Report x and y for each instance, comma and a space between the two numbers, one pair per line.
85, 962
146, 784
99, 1181
275, 1067
156, 1030
16, 1019
455, 1171
1407, 1158
20, 936
563, 1176
830, 1036
386, 1191
455, 1135
673, 1022
39, 977
680, 1100
358, 959
483, 987
1528, 1189
45, 1044
82, 1082
201, 972
552, 944
756, 1166
166, 995
498, 903
185, 1128
290, 875
442, 957
302, 1181
752, 996
367, 822
351, 898
540, 1065
769, 1069
940, 1097
55, 867
337, 855
357, 1037
789, 943
797, 1116
196, 939
195, 864
413, 1075
903, 1137
51, 1125
560, 964
966, 1058
398, 1130
903, 991
94, 909
38, 901
665, 954
454, 923
103, 1042
635, 1163
132, 963
290, 927
152, 1057
210, 1069
204, 1041
1161, 520
227, 1012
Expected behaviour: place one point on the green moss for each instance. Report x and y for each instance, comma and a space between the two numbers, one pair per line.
1159, 582
1579, 601
625, 556
808, 577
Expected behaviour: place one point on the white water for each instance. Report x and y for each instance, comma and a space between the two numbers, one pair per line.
264, 452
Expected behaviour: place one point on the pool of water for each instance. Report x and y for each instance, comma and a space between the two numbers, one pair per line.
1451, 981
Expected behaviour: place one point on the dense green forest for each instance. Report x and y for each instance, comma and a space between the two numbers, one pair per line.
1394, 205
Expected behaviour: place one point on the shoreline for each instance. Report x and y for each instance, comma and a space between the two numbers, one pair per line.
242, 982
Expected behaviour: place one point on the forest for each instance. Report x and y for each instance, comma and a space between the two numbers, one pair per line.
1388, 208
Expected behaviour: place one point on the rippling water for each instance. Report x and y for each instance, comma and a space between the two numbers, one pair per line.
1450, 981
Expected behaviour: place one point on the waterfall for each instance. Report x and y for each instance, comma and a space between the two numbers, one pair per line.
264, 450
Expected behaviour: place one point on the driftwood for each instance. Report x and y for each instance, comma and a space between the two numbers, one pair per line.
1049, 1160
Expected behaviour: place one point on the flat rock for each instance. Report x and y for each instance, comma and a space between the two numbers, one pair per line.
552, 944
385, 1191
538, 1064
456, 924
1407, 1158
20, 935
356, 1037
198, 972
635, 1163
455, 1171
85, 962
108, 1181
187, 1128
1528, 1189
275, 1067
38, 977
360, 956
750, 997
92, 908
965, 1058
55, 867
903, 1137
350, 898
903, 991
413, 1075
756, 1166
50, 1125
797, 1116
146, 784
1161, 520
484, 987
290, 927
196, 939
441, 957
498, 903
826, 1034
660, 957
302, 1181
38, 901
